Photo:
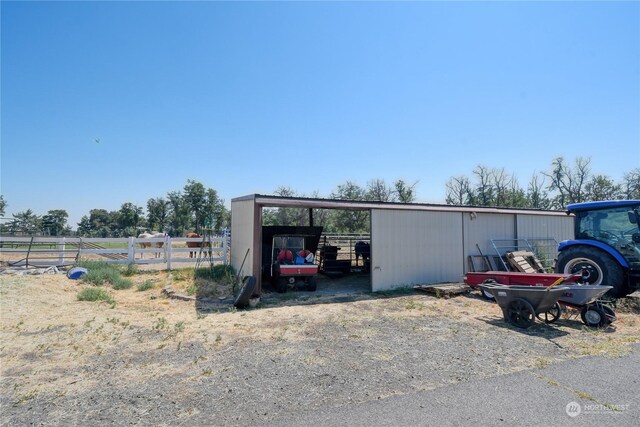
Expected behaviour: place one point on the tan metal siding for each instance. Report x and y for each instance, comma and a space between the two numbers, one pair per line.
242, 230
545, 227
415, 247
480, 228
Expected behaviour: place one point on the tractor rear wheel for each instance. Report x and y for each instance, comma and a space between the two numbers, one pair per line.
600, 268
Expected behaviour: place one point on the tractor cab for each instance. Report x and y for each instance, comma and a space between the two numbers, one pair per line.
606, 245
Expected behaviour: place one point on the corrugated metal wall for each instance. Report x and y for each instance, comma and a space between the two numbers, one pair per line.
413, 247
242, 229
480, 228
416, 247
542, 227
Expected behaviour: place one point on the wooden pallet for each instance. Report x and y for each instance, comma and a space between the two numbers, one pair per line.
444, 290
525, 262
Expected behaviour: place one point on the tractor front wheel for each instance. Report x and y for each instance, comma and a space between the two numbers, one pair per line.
600, 268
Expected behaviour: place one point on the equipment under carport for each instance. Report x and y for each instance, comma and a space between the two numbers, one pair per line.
288, 257
330, 264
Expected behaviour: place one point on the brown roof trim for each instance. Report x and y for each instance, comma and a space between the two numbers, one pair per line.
314, 203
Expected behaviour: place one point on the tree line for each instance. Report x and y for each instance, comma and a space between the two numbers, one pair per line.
563, 185
192, 209
341, 221
196, 207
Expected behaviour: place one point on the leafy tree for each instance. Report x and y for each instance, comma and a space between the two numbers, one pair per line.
195, 198
322, 217
84, 226
158, 211
568, 182
350, 221
501, 184
601, 187
404, 193
128, 218
484, 194
631, 184
285, 216
379, 191
100, 223
537, 196
515, 196
216, 214
458, 191
25, 222
54, 222
180, 217
3, 205
205, 205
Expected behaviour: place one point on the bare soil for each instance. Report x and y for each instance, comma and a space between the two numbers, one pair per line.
156, 361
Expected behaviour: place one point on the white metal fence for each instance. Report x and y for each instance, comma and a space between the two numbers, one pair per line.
60, 251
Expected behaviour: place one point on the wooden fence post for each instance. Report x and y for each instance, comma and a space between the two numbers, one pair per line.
131, 251
225, 246
61, 247
168, 251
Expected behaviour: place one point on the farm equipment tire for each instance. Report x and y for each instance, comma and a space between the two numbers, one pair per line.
594, 316
486, 294
248, 287
312, 284
520, 313
600, 267
610, 315
552, 315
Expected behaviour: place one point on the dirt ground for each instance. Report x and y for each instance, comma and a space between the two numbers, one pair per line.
156, 361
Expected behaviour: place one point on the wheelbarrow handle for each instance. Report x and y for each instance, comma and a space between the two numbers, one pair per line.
556, 283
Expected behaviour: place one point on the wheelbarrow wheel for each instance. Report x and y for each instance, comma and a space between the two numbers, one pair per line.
610, 315
594, 316
552, 315
486, 294
521, 313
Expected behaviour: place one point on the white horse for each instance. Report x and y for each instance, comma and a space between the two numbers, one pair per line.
152, 235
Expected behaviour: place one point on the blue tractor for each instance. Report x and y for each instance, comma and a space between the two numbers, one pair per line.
606, 247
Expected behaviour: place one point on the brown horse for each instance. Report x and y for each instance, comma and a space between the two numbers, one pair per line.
196, 244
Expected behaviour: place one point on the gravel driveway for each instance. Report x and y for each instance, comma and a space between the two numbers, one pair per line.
153, 361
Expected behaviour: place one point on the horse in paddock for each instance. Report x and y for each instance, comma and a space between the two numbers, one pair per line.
145, 245
193, 254
363, 250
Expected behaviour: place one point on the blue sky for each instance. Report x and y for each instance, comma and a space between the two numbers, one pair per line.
246, 97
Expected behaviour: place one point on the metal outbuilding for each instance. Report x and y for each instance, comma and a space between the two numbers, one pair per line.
411, 243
